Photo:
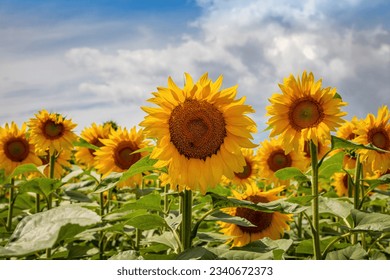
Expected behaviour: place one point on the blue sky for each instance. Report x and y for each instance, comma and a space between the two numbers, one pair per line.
100, 60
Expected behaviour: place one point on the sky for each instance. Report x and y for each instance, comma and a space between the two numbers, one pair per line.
100, 60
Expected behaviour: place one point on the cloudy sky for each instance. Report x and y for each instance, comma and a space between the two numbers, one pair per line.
100, 60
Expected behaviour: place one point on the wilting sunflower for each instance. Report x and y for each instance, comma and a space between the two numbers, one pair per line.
200, 131
51, 131
250, 174
304, 111
117, 154
15, 148
376, 131
92, 135
273, 157
340, 183
270, 225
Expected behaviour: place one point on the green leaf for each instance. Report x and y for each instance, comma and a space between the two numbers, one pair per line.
339, 143
43, 186
291, 173
370, 221
24, 168
43, 230
166, 238
280, 205
77, 196
146, 222
197, 253
127, 255
143, 165
331, 165
385, 179
224, 217
355, 252
151, 201
85, 144
306, 246
335, 206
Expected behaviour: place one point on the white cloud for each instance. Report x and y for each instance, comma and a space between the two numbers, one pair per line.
252, 43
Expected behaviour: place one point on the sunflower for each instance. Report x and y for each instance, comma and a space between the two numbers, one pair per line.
273, 157
304, 111
51, 131
250, 174
376, 131
270, 225
341, 183
117, 154
200, 131
92, 135
15, 148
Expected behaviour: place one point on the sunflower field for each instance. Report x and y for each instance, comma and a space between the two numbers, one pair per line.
190, 183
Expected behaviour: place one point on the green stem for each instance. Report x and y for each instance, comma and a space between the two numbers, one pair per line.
186, 223
10, 206
138, 232
197, 224
101, 239
299, 225
37, 203
166, 200
52, 163
356, 192
315, 208
357, 183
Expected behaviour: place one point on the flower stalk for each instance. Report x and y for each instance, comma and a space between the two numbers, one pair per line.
315, 201
186, 224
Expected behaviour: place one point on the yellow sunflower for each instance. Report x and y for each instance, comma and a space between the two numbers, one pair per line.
15, 148
340, 183
270, 225
304, 111
376, 131
117, 154
273, 157
92, 135
250, 174
200, 131
51, 131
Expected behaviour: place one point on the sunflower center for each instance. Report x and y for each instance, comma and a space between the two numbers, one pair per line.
305, 112
379, 138
53, 130
261, 220
278, 160
246, 173
17, 149
123, 155
197, 129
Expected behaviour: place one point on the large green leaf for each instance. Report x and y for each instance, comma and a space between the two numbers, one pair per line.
146, 222
331, 165
355, 252
85, 144
150, 201
291, 173
197, 253
22, 169
43, 230
339, 143
280, 205
43, 186
335, 206
224, 217
370, 221
127, 255
143, 165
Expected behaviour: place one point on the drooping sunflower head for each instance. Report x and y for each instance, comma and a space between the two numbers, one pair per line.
51, 131
200, 131
15, 148
270, 225
92, 135
273, 157
304, 111
376, 131
341, 183
117, 154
